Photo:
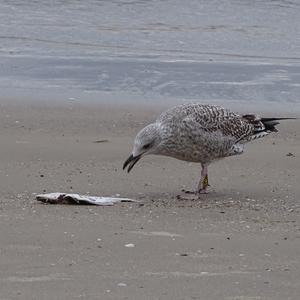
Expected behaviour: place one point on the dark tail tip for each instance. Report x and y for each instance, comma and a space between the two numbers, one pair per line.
270, 123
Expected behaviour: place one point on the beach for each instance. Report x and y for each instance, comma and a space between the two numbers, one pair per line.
240, 241
78, 80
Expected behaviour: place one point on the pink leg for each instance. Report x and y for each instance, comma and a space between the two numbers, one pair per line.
203, 183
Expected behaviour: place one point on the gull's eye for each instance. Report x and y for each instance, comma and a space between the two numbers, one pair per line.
147, 146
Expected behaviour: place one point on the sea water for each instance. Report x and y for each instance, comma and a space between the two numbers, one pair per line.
235, 51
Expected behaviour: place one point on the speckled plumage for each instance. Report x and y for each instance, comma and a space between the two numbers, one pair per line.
203, 133
199, 133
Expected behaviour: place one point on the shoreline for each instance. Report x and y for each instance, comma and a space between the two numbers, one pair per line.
135, 102
258, 87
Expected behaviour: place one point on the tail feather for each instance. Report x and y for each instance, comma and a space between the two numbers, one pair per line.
263, 126
270, 123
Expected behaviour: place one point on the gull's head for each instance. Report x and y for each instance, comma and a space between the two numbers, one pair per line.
146, 142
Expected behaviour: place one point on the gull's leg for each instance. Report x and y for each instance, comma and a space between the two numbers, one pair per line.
203, 183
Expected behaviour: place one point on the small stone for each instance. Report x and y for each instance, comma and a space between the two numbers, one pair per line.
101, 141
122, 284
130, 245
290, 154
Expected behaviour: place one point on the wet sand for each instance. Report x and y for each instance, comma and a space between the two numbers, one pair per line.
240, 242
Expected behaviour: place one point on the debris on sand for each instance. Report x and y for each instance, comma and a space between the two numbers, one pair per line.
101, 141
290, 154
63, 198
129, 245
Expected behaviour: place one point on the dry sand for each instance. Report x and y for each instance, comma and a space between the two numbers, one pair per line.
240, 242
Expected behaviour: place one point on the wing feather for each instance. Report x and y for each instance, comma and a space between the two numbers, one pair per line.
215, 119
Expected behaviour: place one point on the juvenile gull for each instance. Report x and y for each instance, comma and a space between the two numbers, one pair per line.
199, 133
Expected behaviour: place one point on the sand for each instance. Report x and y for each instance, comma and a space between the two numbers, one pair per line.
240, 242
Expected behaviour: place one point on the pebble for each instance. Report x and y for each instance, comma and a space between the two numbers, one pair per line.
290, 154
122, 284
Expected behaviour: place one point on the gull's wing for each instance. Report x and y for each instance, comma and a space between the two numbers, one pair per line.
209, 120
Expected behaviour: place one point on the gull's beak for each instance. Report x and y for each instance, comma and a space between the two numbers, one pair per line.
131, 161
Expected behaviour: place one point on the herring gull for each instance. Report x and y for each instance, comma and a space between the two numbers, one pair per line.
199, 133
